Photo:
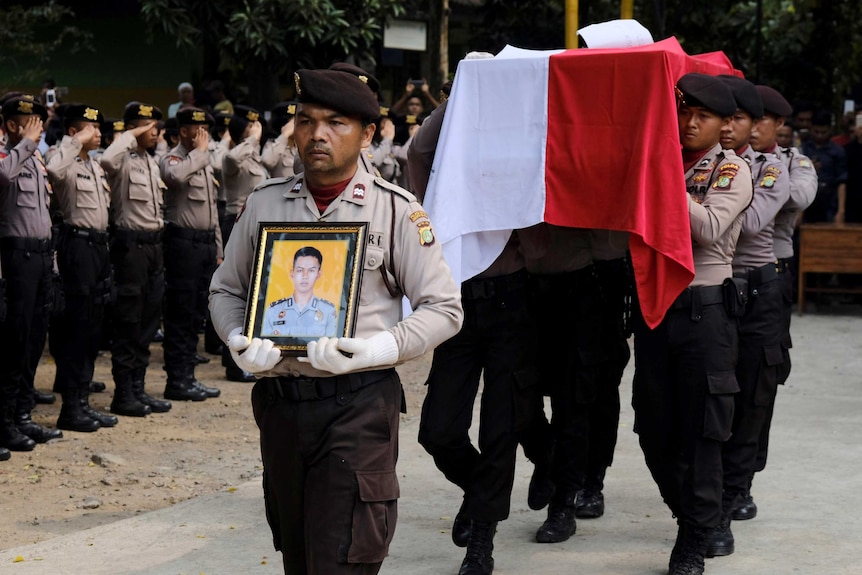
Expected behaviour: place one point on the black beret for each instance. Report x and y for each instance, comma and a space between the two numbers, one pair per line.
345, 91
247, 113
139, 111
774, 102
370, 80
222, 119
24, 105
745, 94
79, 113
112, 125
193, 117
172, 127
708, 92
284, 110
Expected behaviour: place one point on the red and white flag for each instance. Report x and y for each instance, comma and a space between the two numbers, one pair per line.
579, 138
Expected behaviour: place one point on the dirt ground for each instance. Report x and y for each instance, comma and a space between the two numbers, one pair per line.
89, 479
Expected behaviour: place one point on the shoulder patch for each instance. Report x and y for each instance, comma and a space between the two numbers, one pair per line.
3, 155
286, 300
174, 160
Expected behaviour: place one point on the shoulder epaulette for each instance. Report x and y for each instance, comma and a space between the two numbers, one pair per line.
273, 182
398, 190
280, 301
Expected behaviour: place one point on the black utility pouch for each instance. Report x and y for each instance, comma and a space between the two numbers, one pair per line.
735, 296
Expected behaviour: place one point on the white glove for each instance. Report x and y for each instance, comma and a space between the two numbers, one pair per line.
325, 353
258, 355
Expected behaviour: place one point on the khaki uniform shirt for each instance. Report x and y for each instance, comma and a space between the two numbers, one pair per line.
241, 171
80, 186
383, 159
191, 200
285, 318
136, 187
719, 189
25, 193
550, 249
803, 189
278, 157
413, 261
608, 245
771, 192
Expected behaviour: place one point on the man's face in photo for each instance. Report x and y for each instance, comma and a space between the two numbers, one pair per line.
306, 272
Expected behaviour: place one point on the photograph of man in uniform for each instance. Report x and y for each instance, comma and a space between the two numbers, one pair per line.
302, 314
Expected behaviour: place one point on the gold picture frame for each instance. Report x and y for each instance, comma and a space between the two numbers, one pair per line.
305, 282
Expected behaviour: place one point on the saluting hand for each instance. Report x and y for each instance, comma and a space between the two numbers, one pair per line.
255, 131
143, 128
85, 134
31, 129
387, 129
202, 140
287, 129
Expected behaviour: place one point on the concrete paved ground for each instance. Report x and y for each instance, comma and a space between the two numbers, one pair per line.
810, 500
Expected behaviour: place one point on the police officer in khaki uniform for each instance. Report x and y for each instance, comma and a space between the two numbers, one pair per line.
27, 258
329, 422
684, 368
279, 155
242, 169
802, 190
81, 188
760, 326
136, 254
192, 247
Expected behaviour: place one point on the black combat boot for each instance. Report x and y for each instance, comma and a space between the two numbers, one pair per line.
745, 508
590, 503
97, 386
138, 388
478, 560
210, 391
32, 429
560, 524
182, 388
722, 538
10, 437
687, 557
541, 487
104, 419
72, 415
125, 402
461, 526
5, 454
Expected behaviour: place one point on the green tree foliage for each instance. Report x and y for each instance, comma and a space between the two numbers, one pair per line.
30, 33
272, 37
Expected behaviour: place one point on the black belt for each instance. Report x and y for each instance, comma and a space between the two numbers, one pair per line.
95, 236
486, 288
759, 276
784, 265
709, 295
192, 235
41, 245
137, 236
315, 388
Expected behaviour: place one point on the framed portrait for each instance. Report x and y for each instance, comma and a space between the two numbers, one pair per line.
305, 282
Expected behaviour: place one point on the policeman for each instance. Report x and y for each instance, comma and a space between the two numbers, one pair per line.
242, 169
82, 193
803, 189
192, 247
613, 272
759, 327
330, 480
302, 314
27, 259
560, 265
684, 368
136, 254
278, 155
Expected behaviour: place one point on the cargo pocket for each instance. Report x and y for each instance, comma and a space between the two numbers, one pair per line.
374, 516
767, 378
592, 358
372, 281
718, 405
527, 397
128, 306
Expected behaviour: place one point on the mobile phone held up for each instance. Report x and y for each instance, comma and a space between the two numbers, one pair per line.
417, 84
50, 98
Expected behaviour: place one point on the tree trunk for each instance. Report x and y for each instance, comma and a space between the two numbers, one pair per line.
262, 84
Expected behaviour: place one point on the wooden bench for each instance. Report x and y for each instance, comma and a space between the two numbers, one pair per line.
828, 248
